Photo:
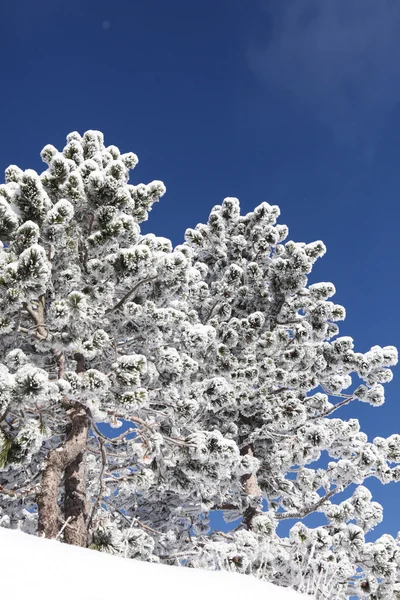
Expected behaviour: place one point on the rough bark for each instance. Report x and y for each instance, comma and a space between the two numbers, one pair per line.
56, 464
47, 498
75, 503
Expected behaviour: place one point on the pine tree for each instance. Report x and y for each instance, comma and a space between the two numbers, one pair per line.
219, 367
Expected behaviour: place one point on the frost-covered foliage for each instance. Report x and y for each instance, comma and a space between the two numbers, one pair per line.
227, 366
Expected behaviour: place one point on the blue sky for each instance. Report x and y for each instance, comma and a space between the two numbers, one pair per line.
295, 102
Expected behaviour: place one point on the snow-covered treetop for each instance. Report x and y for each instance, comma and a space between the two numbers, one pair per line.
228, 366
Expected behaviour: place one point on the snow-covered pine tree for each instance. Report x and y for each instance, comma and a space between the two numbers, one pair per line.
226, 365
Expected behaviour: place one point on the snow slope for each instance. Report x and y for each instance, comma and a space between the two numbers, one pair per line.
41, 569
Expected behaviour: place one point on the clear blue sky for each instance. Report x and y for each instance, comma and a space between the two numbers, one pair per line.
295, 102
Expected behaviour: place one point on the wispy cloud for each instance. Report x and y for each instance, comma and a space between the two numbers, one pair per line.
338, 59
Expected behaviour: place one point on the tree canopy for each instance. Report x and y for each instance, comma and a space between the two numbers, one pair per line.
219, 366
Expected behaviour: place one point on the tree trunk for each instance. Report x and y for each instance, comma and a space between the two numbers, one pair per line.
250, 489
58, 460
249, 482
75, 503
47, 499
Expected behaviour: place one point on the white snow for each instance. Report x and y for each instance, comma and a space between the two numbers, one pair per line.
41, 569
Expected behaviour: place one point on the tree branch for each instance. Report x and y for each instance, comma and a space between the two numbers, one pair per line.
37, 318
331, 410
129, 294
325, 414
225, 506
309, 510
134, 520
60, 359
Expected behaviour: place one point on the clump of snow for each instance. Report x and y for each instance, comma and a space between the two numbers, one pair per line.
41, 569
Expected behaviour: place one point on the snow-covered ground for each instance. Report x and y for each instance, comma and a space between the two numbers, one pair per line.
46, 570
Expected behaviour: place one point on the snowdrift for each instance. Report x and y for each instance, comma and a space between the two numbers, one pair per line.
41, 569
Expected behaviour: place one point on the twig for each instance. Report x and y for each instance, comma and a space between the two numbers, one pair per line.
19, 492
90, 224
294, 322
108, 453
122, 435
178, 555
7, 492
338, 394
63, 527
210, 312
115, 440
